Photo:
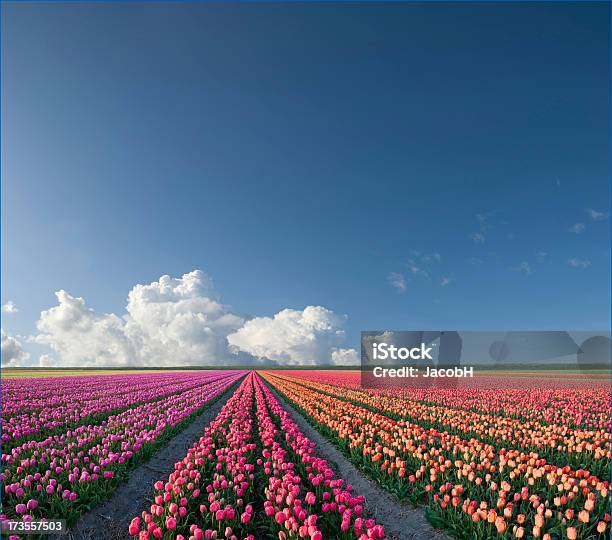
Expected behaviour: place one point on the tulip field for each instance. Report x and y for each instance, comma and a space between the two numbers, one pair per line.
505, 457
68, 441
254, 474
508, 459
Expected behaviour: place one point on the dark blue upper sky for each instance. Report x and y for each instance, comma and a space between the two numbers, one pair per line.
312, 154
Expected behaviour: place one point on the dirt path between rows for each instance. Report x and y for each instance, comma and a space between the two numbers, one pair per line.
110, 520
401, 521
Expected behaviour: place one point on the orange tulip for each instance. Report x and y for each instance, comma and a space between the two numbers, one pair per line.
500, 525
584, 516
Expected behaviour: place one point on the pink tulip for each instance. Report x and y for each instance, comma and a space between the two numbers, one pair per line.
280, 518
134, 526
170, 523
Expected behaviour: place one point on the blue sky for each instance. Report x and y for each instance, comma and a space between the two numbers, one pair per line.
312, 154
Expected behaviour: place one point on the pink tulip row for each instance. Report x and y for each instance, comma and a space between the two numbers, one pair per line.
215, 490
63, 473
303, 494
38, 409
210, 493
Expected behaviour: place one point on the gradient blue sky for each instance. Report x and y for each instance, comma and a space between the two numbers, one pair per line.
302, 153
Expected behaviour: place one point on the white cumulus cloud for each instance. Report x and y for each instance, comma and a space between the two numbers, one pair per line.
181, 322
46, 360
345, 357
12, 351
577, 228
9, 307
83, 337
170, 322
292, 337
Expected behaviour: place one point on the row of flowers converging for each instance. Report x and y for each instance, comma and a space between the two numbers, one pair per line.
61, 475
559, 443
330, 497
38, 410
253, 473
575, 402
469, 487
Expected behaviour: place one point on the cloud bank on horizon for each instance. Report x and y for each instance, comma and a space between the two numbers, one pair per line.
294, 337
12, 351
179, 322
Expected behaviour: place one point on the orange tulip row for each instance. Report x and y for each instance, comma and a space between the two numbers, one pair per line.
560, 444
467, 484
568, 402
